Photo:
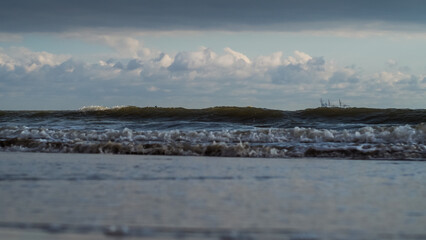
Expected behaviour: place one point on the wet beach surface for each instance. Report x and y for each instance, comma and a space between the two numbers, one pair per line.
100, 196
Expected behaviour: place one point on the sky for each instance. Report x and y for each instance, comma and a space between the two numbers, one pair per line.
283, 54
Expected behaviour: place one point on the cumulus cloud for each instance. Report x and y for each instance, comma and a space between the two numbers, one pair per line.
28, 60
344, 75
390, 78
126, 46
123, 46
301, 68
207, 64
273, 60
236, 56
185, 61
198, 78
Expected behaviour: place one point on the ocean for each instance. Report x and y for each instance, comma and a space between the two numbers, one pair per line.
352, 133
220, 173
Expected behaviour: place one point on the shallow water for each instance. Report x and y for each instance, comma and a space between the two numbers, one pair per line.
80, 196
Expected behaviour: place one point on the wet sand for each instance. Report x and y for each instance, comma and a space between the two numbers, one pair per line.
82, 196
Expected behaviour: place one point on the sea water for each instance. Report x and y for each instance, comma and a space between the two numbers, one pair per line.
360, 133
53, 196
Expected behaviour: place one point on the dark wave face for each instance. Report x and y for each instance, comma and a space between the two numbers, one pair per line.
366, 115
330, 118
220, 131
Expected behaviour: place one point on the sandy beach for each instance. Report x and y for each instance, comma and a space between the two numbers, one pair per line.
100, 196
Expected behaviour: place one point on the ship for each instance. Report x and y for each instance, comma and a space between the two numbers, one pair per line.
328, 104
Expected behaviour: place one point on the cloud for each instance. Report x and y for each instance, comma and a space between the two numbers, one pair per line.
207, 64
28, 60
236, 56
185, 61
200, 78
391, 63
124, 45
165, 15
300, 68
391, 78
7, 37
273, 60
345, 75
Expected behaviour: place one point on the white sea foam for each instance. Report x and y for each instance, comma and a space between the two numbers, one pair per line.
93, 108
394, 134
390, 141
99, 108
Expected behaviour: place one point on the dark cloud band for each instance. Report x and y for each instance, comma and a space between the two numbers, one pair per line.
58, 15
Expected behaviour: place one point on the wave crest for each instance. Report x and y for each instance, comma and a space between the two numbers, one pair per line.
258, 117
213, 113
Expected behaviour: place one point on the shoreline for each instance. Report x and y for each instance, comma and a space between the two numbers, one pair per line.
144, 156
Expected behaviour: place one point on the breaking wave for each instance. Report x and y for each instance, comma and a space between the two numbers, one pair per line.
206, 114
371, 142
360, 133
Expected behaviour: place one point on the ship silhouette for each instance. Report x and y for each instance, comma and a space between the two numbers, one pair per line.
328, 104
